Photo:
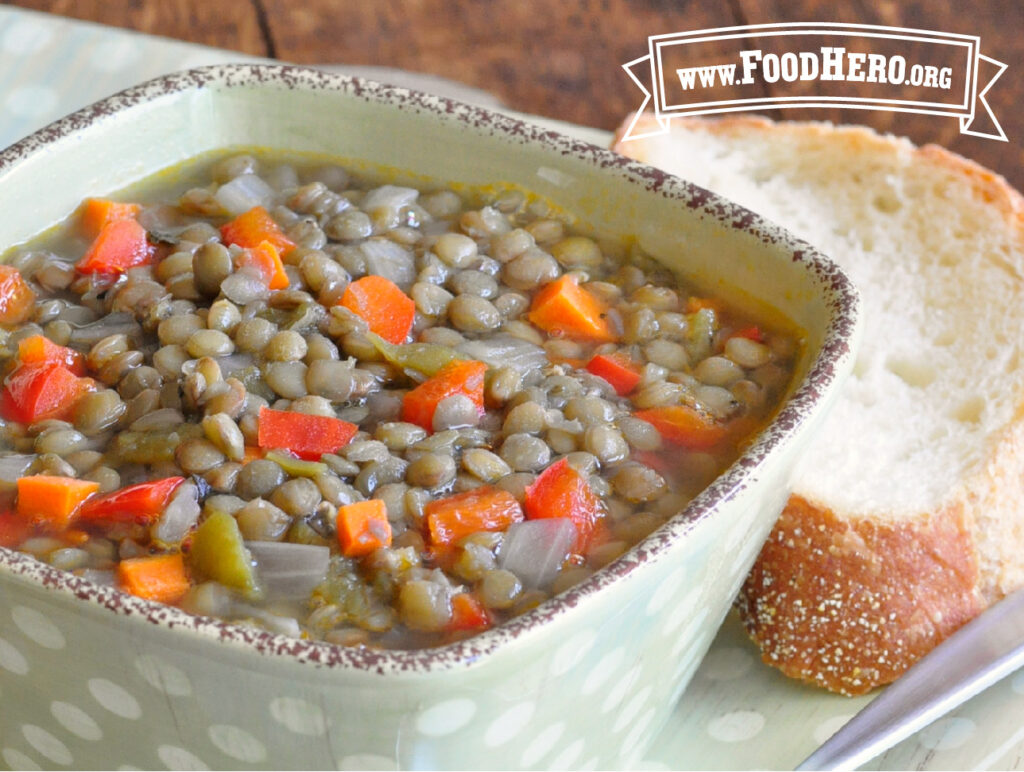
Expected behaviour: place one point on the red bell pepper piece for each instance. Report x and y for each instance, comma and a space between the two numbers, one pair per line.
561, 491
14, 529
459, 377
142, 503
37, 391
619, 370
307, 436
120, 245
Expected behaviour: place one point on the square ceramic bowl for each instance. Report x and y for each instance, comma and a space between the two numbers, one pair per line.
90, 677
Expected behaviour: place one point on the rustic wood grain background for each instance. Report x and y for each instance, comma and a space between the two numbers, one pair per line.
562, 59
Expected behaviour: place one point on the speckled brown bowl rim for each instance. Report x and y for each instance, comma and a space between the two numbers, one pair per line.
840, 294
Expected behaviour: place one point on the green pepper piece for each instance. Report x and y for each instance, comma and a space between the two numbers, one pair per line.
296, 467
422, 358
218, 553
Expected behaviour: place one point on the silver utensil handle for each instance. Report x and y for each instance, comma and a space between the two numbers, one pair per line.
983, 651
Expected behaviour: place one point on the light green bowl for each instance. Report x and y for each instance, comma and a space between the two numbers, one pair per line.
90, 677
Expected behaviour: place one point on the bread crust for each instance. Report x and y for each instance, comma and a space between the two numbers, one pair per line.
850, 602
990, 187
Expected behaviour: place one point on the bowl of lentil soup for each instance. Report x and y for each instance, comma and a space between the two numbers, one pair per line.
344, 425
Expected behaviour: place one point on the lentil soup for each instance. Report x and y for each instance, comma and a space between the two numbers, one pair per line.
285, 395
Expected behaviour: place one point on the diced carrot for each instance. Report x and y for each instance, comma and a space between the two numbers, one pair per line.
387, 310
97, 212
14, 529
561, 491
141, 503
363, 527
252, 228
468, 613
563, 307
683, 425
51, 501
458, 377
16, 297
753, 332
160, 577
481, 509
695, 304
307, 436
618, 369
37, 391
38, 349
120, 245
265, 258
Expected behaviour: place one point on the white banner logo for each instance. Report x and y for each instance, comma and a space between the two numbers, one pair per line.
814, 64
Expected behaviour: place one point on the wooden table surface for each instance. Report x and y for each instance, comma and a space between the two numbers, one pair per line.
563, 59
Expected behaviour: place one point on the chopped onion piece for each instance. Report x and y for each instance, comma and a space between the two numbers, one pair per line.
287, 570
282, 177
595, 384
210, 599
243, 193
181, 514
534, 550
274, 623
14, 465
392, 261
163, 222
503, 350
98, 576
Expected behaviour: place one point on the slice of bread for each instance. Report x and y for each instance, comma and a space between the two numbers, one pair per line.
907, 517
